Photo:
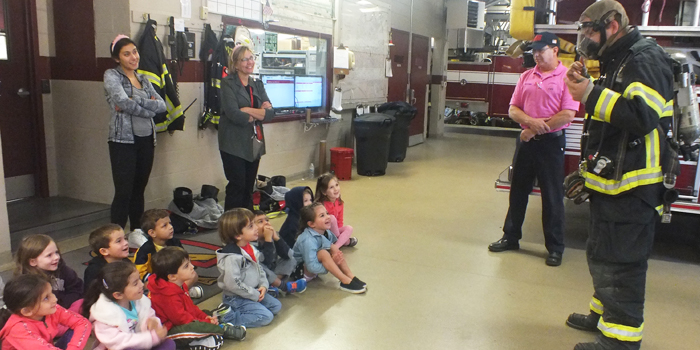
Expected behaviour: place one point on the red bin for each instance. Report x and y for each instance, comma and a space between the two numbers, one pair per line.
341, 162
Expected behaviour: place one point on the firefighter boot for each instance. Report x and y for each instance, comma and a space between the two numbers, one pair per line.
605, 343
588, 323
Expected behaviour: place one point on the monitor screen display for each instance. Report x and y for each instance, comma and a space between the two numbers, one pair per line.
280, 90
308, 91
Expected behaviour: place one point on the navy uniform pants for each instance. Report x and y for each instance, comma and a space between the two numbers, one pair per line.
541, 159
621, 236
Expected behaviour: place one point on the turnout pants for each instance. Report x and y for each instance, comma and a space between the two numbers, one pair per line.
621, 236
543, 160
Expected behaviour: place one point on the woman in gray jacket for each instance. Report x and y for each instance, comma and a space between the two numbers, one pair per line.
133, 103
245, 106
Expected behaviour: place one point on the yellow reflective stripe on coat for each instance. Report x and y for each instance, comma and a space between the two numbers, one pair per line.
216, 83
660, 209
651, 143
154, 79
605, 104
651, 97
668, 109
174, 112
596, 306
620, 332
629, 181
215, 119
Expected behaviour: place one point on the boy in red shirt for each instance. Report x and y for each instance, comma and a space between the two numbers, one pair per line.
186, 323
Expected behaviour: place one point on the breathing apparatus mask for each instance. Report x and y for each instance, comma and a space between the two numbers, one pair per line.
588, 48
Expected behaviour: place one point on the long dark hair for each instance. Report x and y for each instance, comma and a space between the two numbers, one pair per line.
112, 278
306, 214
322, 187
20, 292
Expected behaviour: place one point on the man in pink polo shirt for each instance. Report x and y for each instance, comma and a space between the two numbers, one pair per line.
541, 103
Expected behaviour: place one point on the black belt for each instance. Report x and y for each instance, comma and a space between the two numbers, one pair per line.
549, 135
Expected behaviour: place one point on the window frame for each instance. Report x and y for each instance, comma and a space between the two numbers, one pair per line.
325, 110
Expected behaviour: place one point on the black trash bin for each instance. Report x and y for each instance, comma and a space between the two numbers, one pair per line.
404, 113
373, 135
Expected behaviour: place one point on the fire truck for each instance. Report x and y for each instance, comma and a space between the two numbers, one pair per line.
485, 88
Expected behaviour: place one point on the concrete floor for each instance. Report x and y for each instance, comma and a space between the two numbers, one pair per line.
432, 284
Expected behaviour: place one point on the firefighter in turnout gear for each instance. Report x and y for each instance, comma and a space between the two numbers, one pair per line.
629, 110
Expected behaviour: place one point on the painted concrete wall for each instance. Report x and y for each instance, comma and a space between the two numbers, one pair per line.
76, 137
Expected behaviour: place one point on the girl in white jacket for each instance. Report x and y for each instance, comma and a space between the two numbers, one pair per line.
122, 316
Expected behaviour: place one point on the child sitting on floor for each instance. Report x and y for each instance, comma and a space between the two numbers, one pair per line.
316, 249
186, 323
121, 314
295, 199
328, 193
156, 223
109, 245
242, 279
32, 319
278, 261
39, 255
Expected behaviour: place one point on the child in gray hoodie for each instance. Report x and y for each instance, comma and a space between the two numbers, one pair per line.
243, 280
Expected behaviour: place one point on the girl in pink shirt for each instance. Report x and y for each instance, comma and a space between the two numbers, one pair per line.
328, 193
33, 318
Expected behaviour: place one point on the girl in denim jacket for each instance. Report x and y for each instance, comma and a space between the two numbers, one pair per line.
315, 248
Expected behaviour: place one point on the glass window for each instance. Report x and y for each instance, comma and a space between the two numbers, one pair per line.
293, 68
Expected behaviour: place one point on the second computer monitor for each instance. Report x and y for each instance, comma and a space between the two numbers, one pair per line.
308, 91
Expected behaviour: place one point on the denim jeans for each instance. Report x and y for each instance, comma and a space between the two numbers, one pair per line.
250, 314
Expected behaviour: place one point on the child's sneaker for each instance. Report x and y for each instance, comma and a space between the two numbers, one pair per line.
359, 281
233, 332
213, 342
352, 242
353, 287
274, 292
220, 311
298, 286
196, 292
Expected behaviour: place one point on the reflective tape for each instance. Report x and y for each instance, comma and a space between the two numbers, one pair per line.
604, 106
629, 180
596, 306
650, 96
651, 143
154, 79
620, 332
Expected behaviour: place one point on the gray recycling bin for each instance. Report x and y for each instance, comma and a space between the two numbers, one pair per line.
404, 114
373, 135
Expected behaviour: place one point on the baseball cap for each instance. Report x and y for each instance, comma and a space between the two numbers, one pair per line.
544, 39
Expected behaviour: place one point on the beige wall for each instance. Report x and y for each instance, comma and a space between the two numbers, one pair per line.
76, 137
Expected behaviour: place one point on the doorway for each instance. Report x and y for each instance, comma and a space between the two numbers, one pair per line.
416, 91
19, 127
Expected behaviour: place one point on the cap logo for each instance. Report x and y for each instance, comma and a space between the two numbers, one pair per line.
554, 41
538, 37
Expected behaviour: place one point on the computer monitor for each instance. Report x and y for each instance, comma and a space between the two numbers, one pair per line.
280, 90
308, 91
